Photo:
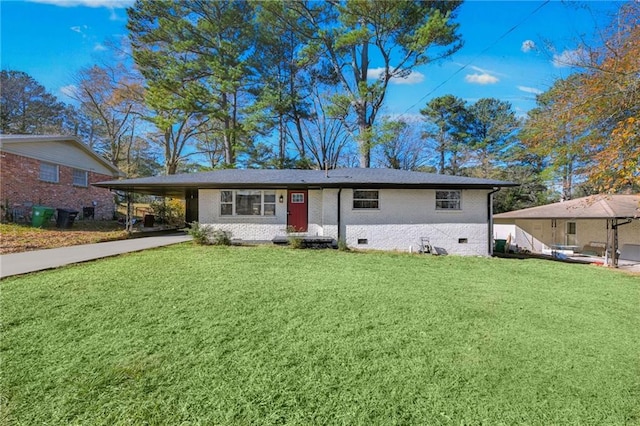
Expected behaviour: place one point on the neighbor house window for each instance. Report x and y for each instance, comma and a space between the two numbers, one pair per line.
365, 199
49, 172
448, 200
80, 177
247, 203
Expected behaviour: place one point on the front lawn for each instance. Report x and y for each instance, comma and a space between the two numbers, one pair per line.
234, 335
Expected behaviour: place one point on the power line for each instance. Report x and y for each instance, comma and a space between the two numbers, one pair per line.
459, 70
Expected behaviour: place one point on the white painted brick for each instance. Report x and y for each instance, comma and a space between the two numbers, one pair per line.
404, 216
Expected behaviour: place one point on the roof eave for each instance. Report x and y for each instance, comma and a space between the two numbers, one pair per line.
161, 188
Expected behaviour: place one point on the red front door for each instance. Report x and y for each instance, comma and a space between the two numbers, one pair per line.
297, 219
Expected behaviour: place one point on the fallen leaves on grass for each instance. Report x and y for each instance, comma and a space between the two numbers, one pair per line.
16, 238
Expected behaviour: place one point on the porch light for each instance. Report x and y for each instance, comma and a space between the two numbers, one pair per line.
281, 199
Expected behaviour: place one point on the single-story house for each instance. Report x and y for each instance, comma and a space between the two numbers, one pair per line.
366, 208
595, 225
53, 171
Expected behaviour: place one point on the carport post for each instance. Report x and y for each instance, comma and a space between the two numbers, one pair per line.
129, 219
614, 249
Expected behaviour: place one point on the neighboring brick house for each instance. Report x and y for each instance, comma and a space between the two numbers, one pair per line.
53, 171
366, 208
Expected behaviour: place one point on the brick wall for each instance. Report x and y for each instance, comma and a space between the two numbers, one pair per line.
21, 184
404, 217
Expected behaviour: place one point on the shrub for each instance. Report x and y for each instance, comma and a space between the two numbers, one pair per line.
296, 242
220, 237
200, 233
206, 235
169, 211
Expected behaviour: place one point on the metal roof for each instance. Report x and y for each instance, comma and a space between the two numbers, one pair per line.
178, 185
592, 207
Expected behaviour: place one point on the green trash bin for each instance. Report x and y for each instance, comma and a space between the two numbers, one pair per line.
41, 215
500, 246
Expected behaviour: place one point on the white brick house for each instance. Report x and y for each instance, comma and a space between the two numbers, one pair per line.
367, 208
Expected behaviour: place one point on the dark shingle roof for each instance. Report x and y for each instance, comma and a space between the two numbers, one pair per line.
268, 178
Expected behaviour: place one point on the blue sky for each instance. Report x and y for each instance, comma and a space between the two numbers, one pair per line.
506, 53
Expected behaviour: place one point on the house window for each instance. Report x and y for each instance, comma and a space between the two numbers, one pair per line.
269, 203
448, 200
365, 199
49, 172
247, 203
80, 177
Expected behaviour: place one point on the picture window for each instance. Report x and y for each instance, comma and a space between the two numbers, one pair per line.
247, 203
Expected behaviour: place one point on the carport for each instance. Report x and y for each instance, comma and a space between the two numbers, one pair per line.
609, 222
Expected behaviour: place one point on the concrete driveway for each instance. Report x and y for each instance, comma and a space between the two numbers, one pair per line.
39, 260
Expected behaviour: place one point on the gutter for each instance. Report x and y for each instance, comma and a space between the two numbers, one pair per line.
490, 219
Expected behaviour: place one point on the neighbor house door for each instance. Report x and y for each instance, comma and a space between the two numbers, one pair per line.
571, 234
297, 216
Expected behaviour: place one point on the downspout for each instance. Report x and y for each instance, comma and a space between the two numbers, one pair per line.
339, 219
490, 219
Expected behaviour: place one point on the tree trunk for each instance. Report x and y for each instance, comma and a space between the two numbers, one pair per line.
364, 136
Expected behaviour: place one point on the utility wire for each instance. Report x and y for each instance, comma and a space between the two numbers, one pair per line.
459, 70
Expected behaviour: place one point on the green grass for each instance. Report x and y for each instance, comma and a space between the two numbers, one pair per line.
230, 335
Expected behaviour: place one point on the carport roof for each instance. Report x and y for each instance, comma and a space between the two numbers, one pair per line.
179, 185
592, 207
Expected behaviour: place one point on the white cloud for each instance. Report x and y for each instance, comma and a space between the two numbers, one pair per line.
111, 4
69, 91
527, 46
568, 58
481, 70
530, 90
78, 28
484, 78
414, 77
99, 48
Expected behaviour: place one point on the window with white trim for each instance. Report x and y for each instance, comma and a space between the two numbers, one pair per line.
448, 200
49, 172
80, 177
365, 199
247, 203
226, 203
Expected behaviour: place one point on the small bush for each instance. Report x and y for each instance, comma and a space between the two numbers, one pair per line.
201, 233
206, 235
220, 237
296, 242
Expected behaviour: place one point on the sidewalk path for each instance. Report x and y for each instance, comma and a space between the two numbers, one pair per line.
32, 261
